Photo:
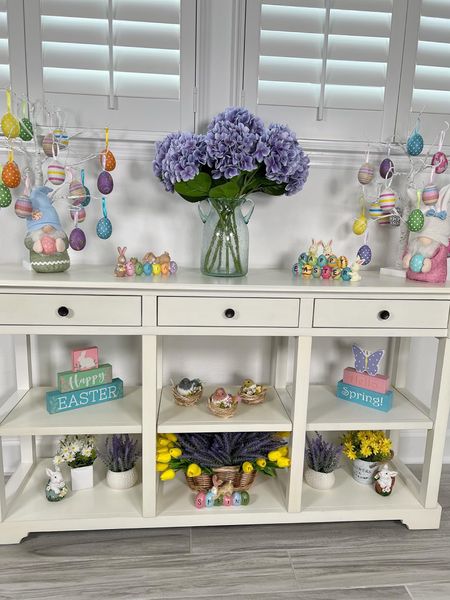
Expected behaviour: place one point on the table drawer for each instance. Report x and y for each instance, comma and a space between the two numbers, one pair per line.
69, 310
387, 314
227, 312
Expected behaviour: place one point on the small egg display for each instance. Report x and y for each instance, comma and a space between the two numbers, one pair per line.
25, 130
333, 261
307, 270
346, 274
61, 138
104, 231
47, 144
336, 273
312, 259
87, 196
366, 173
364, 254
416, 263
147, 268
316, 272
77, 239
107, 160
430, 194
387, 200
439, 162
105, 183
322, 260
77, 192
23, 206
303, 258
295, 268
5, 196
414, 145
375, 210
326, 272
342, 262
416, 220
56, 173
360, 225
11, 174
10, 125
173, 267
78, 210
156, 269
386, 168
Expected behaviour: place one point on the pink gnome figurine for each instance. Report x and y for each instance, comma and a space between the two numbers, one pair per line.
426, 255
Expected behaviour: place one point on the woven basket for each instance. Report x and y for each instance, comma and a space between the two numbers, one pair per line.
186, 400
241, 481
254, 399
223, 413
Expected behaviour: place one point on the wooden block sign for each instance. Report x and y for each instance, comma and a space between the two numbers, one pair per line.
85, 359
69, 381
376, 383
352, 393
59, 402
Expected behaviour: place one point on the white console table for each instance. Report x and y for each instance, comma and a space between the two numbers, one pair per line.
91, 301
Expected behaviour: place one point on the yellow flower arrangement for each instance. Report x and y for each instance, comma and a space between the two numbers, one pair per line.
261, 462
369, 445
247, 467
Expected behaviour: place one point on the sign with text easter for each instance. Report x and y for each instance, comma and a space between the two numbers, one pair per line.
59, 402
68, 381
364, 397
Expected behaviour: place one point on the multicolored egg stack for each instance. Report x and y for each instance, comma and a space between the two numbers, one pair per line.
387, 200
23, 207
56, 173
330, 267
430, 194
365, 173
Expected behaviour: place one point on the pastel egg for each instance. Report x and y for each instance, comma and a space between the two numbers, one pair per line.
47, 145
105, 183
322, 260
77, 192
56, 173
360, 225
295, 268
416, 220
156, 269
165, 268
10, 125
5, 196
303, 258
25, 130
104, 231
77, 239
80, 211
416, 263
430, 195
11, 174
375, 210
173, 267
23, 206
387, 200
61, 138
316, 272
414, 145
138, 268
307, 270
326, 272
147, 268
364, 254
342, 262
333, 261
440, 162
336, 273
386, 168
107, 160
366, 173
312, 259
346, 274
87, 196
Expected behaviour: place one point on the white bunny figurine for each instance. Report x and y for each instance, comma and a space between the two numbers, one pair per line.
355, 276
314, 248
327, 248
385, 480
56, 488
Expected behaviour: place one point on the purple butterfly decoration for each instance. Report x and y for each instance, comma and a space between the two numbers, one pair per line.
365, 361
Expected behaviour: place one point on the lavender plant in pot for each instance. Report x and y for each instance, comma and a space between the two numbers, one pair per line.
120, 456
237, 156
322, 458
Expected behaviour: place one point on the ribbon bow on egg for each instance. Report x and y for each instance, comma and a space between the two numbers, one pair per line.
434, 213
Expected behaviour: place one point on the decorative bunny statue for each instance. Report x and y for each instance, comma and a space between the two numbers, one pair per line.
220, 488
426, 256
327, 248
385, 480
314, 248
56, 488
120, 270
355, 275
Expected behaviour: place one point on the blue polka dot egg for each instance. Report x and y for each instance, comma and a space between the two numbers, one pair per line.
416, 263
104, 228
365, 254
414, 145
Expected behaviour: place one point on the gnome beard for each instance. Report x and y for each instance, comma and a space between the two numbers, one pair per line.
424, 246
47, 240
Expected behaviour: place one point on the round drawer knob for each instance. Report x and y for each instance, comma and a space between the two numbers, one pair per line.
63, 311
384, 315
229, 313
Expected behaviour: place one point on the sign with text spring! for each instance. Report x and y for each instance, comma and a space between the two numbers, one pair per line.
364, 397
69, 381
61, 401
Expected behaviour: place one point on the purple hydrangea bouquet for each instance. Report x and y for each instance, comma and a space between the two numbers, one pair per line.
236, 157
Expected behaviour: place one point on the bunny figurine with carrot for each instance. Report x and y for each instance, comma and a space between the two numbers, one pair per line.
120, 270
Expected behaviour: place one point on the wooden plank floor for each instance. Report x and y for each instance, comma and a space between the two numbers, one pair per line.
342, 561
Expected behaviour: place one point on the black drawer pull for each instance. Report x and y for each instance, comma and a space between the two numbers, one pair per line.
63, 311
384, 315
229, 313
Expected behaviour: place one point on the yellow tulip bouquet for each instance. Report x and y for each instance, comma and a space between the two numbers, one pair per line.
201, 453
372, 446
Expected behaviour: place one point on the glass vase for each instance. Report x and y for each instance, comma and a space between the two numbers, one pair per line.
225, 236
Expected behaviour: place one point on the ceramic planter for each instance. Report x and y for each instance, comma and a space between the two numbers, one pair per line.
364, 471
122, 480
319, 481
82, 478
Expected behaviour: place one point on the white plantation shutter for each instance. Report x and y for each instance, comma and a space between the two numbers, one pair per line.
329, 68
128, 64
4, 46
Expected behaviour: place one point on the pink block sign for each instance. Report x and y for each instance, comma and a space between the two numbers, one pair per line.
375, 383
84, 359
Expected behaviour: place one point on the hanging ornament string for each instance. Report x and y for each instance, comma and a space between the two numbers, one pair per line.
8, 100
107, 137
82, 176
105, 213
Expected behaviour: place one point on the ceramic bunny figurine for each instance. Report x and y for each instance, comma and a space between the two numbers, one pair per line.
314, 248
220, 488
327, 248
384, 480
120, 270
56, 488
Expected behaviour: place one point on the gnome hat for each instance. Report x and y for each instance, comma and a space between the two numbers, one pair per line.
43, 211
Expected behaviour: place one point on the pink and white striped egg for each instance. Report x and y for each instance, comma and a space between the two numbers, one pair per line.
430, 194
56, 173
387, 200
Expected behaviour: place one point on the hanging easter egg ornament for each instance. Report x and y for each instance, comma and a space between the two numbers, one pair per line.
105, 183
364, 254
77, 239
430, 194
360, 224
11, 175
26, 129
77, 193
47, 145
77, 213
365, 173
104, 225
386, 168
416, 220
107, 160
414, 145
56, 173
23, 206
61, 138
375, 210
5, 196
10, 125
387, 200
439, 162
87, 193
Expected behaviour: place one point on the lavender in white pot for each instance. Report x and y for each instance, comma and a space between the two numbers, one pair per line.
120, 456
322, 458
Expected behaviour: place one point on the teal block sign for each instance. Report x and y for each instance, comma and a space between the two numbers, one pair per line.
364, 397
60, 402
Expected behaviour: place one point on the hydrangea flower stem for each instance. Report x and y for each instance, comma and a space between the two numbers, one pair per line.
224, 239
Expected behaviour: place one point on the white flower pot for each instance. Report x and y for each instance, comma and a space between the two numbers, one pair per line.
364, 471
319, 481
122, 480
82, 478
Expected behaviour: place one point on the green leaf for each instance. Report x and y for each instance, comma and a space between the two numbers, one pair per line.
226, 190
196, 189
274, 189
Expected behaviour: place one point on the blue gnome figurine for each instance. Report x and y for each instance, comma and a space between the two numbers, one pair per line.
45, 239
